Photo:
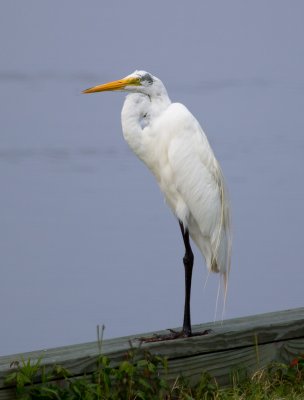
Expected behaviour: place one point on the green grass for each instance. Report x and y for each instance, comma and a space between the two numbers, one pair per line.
138, 377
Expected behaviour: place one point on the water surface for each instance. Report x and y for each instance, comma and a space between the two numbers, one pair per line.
85, 235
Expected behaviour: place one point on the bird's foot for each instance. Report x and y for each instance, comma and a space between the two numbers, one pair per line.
172, 336
179, 334
186, 333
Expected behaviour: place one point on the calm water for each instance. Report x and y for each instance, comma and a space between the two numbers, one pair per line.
85, 235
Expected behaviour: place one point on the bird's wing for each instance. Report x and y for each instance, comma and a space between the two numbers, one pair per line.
194, 168
198, 180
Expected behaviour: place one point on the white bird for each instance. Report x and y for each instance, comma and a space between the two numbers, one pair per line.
170, 141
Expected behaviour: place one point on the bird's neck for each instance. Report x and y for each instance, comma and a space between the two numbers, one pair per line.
139, 112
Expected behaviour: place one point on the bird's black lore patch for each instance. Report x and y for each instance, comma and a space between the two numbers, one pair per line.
148, 78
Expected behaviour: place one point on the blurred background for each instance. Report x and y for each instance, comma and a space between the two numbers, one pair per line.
85, 235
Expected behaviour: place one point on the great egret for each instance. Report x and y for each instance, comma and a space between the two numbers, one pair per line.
170, 141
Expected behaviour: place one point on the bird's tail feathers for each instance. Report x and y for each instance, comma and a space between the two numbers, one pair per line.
222, 288
221, 243
216, 249
221, 239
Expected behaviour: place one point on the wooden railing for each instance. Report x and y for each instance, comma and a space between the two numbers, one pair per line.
242, 343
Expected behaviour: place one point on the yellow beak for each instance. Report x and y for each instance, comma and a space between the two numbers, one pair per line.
115, 85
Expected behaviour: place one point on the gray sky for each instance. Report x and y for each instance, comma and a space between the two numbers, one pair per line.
76, 203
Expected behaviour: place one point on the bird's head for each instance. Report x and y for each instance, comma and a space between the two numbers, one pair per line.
138, 82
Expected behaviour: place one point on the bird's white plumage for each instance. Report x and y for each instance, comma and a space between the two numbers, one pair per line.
170, 141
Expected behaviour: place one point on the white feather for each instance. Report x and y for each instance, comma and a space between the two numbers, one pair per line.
170, 141
174, 147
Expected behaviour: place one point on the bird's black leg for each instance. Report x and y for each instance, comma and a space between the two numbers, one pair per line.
188, 264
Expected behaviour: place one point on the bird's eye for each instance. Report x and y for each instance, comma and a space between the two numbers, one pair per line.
147, 78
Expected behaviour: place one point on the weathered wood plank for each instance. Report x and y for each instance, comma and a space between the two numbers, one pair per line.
222, 364
231, 345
